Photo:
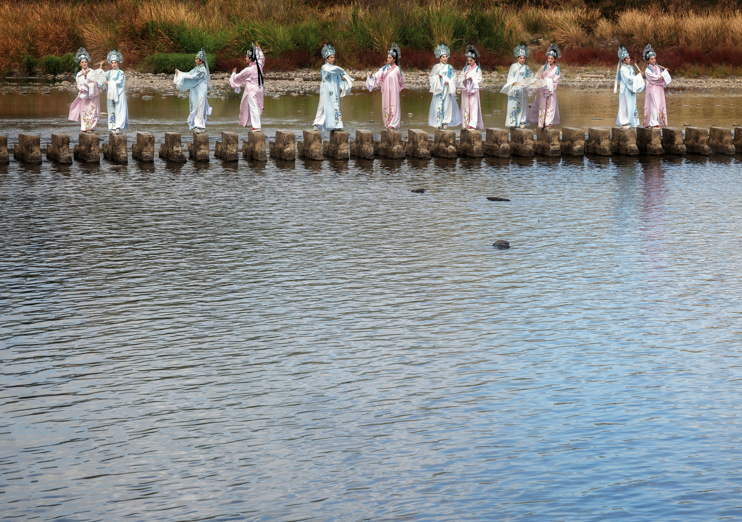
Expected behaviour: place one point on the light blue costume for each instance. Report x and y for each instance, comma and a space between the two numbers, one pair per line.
115, 80
335, 84
630, 83
198, 81
518, 100
444, 111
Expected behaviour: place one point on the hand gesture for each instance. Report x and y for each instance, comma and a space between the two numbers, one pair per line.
234, 70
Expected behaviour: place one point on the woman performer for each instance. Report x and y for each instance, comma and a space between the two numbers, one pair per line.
631, 83
335, 84
251, 77
391, 79
545, 109
655, 110
444, 110
118, 111
518, 75
86, 107
469, 80
198, 81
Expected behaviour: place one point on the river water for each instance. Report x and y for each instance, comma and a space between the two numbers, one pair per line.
313, 341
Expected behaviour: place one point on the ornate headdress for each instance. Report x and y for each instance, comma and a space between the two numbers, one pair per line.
201, 55
82, 54
441, 50
327, 51
115, 55
471, 52
648, 52
522, 50
622, 55
254, 52
553, 50
395, 53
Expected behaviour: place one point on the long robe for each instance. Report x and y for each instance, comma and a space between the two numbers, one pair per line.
251, 106
335, 84
198, 104
391, 80
655, 110
118, 110
517, 112
469, 80
545, 109
86, 107
629, 84
443, 108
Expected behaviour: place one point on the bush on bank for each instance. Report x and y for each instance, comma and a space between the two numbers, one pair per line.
167, 63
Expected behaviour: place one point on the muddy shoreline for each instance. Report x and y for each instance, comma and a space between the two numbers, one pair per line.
306, 81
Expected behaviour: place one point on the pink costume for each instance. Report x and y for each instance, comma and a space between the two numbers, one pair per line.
655, 110
251, 106
391, 80
544, 109
469, 81
86, 106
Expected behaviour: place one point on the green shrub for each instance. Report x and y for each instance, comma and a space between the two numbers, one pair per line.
51, 64
413, 32
307, 36
275, 39
357, 30
68, 62
29, 63
167, 63
490, 29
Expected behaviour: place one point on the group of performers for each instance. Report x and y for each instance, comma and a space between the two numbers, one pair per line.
336, 83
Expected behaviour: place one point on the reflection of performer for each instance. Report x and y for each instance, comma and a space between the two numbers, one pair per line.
198, 82
469, 80
444, 110
391, 80
545, 109
655, 110
86, 107
517, 98
653, 210
631, 83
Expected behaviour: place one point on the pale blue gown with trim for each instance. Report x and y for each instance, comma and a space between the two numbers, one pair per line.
335, 84
443, 107
118, 110
195, 81
630, 82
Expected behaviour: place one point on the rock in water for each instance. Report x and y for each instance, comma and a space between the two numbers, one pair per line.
418, 191
501, 244
494, 198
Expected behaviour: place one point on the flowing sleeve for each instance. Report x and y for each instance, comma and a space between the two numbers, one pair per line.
237, 80
666, 76
185, 81
261, 58
512, 78
450, 79
654, 78
373, 81
82, 83
638, 83
401, 79
436, 85
555, 81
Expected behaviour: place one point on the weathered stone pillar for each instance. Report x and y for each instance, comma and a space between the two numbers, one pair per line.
144, 148
4, 157
599, 141
391, 145
58, 150
337, 147
444, 144
720, 141
88, 149
172, 149
28, 149
547, 142
284, 147
116, 150
521, 143
470, 143
696, 141
573, 141
311, 146
418, 145
254, 147
649, 141
497, 143
363, 146
623, 142
737, 141
199, 150
672, 141
227, 149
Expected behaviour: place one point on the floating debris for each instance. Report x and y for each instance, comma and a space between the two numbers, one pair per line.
501, 244
418, 191
495, 198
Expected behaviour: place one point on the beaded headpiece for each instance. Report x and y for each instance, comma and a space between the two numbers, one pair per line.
522, 50
201, 55
327, 51
553, 50
471, 52
622, 55
82, 54
114, 55
441, 50
395, 53
648, 52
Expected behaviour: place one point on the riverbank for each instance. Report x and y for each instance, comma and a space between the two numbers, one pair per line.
307, 81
